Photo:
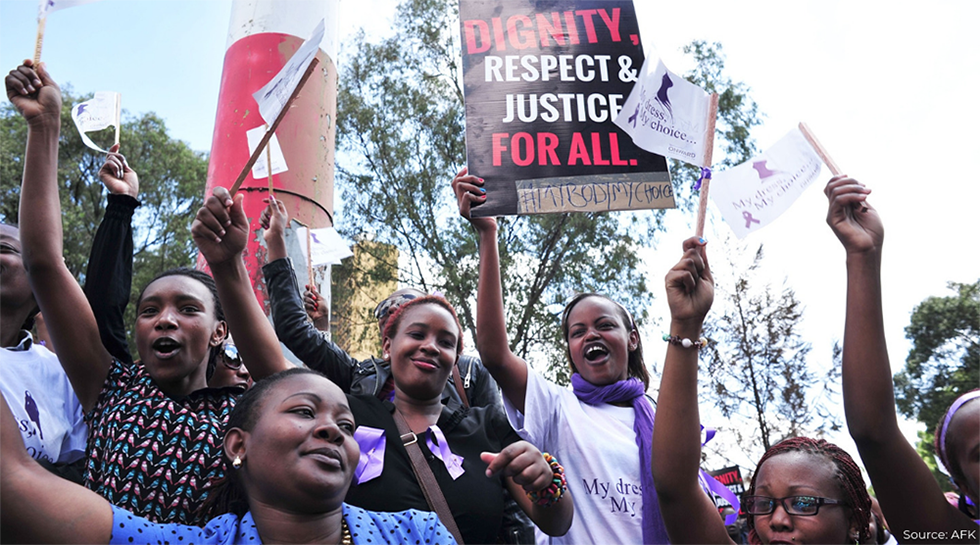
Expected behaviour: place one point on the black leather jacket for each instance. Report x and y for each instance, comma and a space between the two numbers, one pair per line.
366, 377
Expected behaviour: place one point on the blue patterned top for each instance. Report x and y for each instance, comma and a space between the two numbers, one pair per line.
367, 527
151, 454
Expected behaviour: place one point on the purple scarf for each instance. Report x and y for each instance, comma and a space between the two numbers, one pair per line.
632, 390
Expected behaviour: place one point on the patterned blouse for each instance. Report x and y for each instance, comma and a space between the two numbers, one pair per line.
154, 455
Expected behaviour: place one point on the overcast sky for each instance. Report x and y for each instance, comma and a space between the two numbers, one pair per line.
887, 86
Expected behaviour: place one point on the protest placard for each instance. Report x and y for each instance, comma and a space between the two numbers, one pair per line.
543, 83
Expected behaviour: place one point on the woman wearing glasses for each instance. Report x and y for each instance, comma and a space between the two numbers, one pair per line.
803, 490
225, 367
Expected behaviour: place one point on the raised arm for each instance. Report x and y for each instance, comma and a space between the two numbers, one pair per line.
109, 276
221, 231
507, 368
914, 501
69, 318
688, 513
37, 506
288, 316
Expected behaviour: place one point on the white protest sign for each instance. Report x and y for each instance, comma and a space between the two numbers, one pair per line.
49, 6
96, 114
260, 169
326, 246
274, 95
755, 193
668, 115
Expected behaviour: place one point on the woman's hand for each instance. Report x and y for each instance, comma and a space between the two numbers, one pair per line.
690, 287
274, 220
469, 191
855, 222
523, 462
36, 96
116, 175
220, 229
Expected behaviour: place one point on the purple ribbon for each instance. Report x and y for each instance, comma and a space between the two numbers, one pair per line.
632, 390
960, 401
436, 441
372, 461
712, 484
749, 219
705, 175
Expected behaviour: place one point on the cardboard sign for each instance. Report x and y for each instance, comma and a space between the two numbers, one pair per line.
543, 83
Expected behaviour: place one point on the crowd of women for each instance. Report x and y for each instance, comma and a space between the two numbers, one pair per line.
202, 440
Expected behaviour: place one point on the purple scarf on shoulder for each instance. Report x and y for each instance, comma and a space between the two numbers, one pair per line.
632, 390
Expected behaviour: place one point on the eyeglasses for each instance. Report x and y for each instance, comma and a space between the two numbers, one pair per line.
231, 359
794, 505
385, 307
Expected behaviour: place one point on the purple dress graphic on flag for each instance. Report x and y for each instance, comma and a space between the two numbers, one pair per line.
763, 169
662, 97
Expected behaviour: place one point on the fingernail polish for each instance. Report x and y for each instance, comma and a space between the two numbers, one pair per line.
483, 190
702, 241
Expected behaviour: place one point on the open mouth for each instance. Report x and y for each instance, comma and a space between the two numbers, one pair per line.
595, 353
165, 347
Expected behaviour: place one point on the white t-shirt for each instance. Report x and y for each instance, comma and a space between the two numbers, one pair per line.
43, 402
597, 447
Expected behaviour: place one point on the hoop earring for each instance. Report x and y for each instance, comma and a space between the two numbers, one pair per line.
237, 462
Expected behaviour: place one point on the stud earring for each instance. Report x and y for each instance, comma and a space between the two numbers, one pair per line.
237, 462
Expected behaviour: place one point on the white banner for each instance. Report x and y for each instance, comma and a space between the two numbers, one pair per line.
326, 245
667, 115
96, 114
274, 95
260, 169
753, 194
48, 6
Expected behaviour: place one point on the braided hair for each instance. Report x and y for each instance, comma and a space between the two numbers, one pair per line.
847, 474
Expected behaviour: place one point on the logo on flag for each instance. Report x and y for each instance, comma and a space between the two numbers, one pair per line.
273, 96
326, 246
755, 193
96, 114
48, 6
668, 115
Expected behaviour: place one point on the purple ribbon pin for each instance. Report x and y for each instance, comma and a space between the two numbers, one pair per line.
749, 219
372, 461
436, 441
705, 175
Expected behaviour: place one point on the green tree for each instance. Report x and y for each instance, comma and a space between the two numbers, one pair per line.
943, 364
759, 366
171, 177
401, 124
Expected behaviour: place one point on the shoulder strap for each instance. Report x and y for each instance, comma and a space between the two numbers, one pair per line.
459, 387
427, 481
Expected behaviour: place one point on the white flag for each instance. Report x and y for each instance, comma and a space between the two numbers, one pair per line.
326, 245
96, 114
47, 6
274, 95
260, 169
753, 194
667, 115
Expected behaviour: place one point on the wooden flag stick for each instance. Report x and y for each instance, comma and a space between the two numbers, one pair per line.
272, 129
824, 156
39, 42
309, 255
268, 159
118, 115
709, 148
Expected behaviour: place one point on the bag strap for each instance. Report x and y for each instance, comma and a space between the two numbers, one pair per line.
459, 386
427, 481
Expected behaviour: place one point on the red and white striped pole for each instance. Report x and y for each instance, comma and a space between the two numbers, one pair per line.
262, 36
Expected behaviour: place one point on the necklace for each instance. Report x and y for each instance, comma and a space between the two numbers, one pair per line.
345, 537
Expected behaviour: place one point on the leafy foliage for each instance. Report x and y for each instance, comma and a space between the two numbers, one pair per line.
944, 362
172, 178
759, 365
402, 123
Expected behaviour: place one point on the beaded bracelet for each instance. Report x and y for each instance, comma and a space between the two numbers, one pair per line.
686, 343
556, 490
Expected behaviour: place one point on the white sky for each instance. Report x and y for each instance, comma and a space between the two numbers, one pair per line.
885, 85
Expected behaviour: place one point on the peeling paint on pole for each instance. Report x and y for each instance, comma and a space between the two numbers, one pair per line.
262, 36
